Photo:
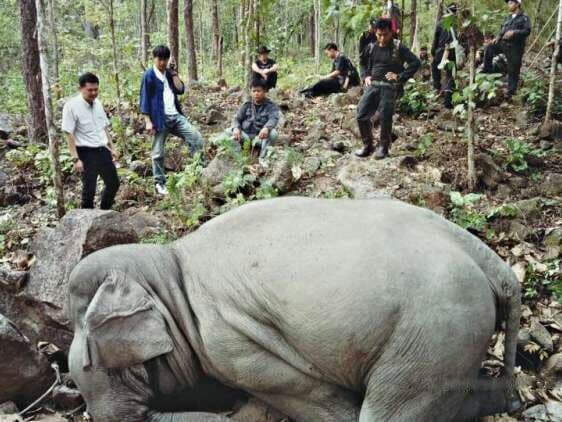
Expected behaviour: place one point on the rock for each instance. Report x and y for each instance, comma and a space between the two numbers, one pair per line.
547, 412
554, 364
436, 199
11, 418
522, 118
523, 338
12, 280
365, 179
551, 130
519, 231
350, 124
553, 243
24, 373
340, 100
8, 407
488, 172
143, 223
517, 182
529, 208
39, 309
281, 176
140, 168
551, 185
311, 165
338, 146
520, 271
354, 94
3, 179
214, 116
541, 335
213, 175
257, 411
317, 132
67, 398
6, 125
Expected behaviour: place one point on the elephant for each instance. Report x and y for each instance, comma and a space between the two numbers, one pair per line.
329, 310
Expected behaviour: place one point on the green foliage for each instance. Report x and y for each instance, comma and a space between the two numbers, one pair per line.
534, 94
266, 191
547, 281
463, 211
517, 154
36, 158
504, 210
485, 88
163, 237
423, 145
236, 181
417, 96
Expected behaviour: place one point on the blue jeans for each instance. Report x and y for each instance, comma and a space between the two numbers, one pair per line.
257, 141
176, 125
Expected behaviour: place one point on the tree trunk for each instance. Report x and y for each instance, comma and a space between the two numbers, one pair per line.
173, 31
257, 20
317, 34
413, 22
191, 54
553, 65
247, 8
55, 41
537, 15
312, 34
216, 31
32, 71
470, 120
236, 25
54, 146
143, 31
221, 51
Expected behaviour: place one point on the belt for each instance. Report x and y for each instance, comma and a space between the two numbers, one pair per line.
382, 83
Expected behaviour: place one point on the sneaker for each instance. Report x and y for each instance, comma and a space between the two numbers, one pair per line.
161, 189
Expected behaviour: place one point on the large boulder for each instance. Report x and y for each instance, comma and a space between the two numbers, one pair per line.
7, 126
214, 174
549, 411
24, 373
488, 172
39, 308
551, 185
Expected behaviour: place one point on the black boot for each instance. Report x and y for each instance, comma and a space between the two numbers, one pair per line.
382, 150
366, 150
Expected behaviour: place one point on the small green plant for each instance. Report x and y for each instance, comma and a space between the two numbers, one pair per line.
236, 181
485, 88
463, 212
423, 145
518, 153
504, 210
266, 191
417, 96
548, 281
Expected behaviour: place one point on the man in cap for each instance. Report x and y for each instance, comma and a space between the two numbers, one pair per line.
511, 41
265, 68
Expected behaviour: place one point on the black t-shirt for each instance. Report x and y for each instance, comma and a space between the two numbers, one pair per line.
267, 65
344, 65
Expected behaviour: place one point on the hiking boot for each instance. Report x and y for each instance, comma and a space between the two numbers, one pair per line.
161, 189
381, 152
365, 151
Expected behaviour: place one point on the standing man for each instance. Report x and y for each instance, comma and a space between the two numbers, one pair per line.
159, 103
442, 47
256, 120
366, 42
392, 11
511, 41
265, 68
86, 127
343, 75
385, 74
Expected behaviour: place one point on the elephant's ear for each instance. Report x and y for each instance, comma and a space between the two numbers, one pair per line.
122, 326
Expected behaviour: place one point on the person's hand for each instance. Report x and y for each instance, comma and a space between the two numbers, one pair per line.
390, 76
79, 166
264, 133
368, 81
237, 134
150, 128
509, 34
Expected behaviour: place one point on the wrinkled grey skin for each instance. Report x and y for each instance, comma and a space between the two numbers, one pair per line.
327, 310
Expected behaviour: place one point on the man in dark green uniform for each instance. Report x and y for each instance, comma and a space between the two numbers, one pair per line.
511, 41
385, 74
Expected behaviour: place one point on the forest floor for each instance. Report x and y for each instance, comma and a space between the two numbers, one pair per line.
516, 208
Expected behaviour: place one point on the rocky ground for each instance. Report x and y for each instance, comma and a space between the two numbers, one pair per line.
516, 209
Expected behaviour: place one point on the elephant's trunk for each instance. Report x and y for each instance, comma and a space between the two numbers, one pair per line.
187, 417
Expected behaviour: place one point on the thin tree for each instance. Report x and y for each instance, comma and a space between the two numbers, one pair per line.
317, 33
191, 54
553, 65
54, 146
216, 30
32, 71
143, 31
54, 40
173, 30
413, 23
470, 118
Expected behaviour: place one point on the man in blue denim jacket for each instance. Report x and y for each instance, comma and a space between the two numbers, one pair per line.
159, 103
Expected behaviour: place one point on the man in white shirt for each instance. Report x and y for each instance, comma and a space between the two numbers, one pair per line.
86, 127
159, 103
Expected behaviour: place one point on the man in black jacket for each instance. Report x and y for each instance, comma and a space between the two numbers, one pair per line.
511, 41
343, 75
385, 73
367, 39
441, 46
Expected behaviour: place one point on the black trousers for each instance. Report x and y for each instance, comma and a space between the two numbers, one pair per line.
449, 79
98, 162
379, 99
323, 87
271, 79
514, 53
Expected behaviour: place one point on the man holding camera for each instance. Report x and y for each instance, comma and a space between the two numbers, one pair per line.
159, 103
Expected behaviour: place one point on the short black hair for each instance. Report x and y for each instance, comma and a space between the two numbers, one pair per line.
259, 83
383, 24
162, 52
88, 78
331, 46
423, 47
